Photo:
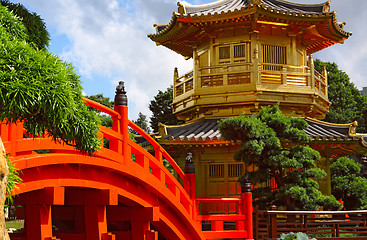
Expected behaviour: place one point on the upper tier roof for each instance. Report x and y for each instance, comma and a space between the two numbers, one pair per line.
188, 26
232, 5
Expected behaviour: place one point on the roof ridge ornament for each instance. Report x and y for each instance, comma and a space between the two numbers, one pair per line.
256, 2
181, 8
326, 7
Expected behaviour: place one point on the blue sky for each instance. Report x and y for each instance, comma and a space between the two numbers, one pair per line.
106, 40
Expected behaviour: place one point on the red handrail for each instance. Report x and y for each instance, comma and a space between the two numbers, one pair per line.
101, 107
159, 148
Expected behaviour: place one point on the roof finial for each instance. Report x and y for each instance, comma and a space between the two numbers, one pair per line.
256, 2
181, 8
326, 7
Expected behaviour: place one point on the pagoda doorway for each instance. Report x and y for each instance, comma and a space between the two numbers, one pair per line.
222, 182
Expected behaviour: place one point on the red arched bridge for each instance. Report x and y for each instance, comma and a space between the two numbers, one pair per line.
122, 192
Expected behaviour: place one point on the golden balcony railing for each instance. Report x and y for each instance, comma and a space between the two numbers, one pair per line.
246, 73
284, 74
183, 84
320, 83
228, 74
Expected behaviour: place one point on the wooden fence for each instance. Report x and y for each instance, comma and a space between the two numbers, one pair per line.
317, 224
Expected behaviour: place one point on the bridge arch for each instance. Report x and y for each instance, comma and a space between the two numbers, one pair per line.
67, 181
120, 192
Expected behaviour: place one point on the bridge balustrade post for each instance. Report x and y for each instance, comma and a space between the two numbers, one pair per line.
95, 221
140, 230
38, 224
15, 133
246, 196
122, 109
190, 182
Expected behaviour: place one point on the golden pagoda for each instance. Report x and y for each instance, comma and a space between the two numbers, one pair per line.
248, 54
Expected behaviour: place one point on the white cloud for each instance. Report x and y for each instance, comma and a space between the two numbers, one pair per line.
109, 38
351, 56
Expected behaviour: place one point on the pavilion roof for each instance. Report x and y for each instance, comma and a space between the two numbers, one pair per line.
189, 25
207, 130
232, 5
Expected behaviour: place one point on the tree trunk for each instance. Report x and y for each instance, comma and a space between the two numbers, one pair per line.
4, 171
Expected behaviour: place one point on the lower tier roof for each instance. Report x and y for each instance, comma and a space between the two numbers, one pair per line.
207, 130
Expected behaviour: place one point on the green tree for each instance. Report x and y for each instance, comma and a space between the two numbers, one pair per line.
274, 144
347, 184
105, 120
99, 98
35, 26
347, 102
38, 88
142, 122
162, 110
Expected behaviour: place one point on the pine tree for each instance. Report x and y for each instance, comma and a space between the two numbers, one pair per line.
348, 184
347, 102
142, 122
274, 145
162, 110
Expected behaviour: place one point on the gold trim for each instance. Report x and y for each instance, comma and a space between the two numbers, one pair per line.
328, 123
184, 124
272, 23
162, 129
352, 126
256, 2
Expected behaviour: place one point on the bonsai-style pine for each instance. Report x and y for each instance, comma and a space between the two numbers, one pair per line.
275, 146
348, 184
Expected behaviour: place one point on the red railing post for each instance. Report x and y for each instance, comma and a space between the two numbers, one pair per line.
246, 196
15, 132
122, 109
190, 182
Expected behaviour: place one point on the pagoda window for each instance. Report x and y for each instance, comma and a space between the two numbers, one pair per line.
224, 54
216, 170
233, 53
273, 57
235, 170
239, 51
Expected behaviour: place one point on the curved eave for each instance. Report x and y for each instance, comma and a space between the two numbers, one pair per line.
173, 31
352, 127
181, 26
158, 35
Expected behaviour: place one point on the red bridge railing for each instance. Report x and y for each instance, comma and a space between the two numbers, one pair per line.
123, 150
241, 220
